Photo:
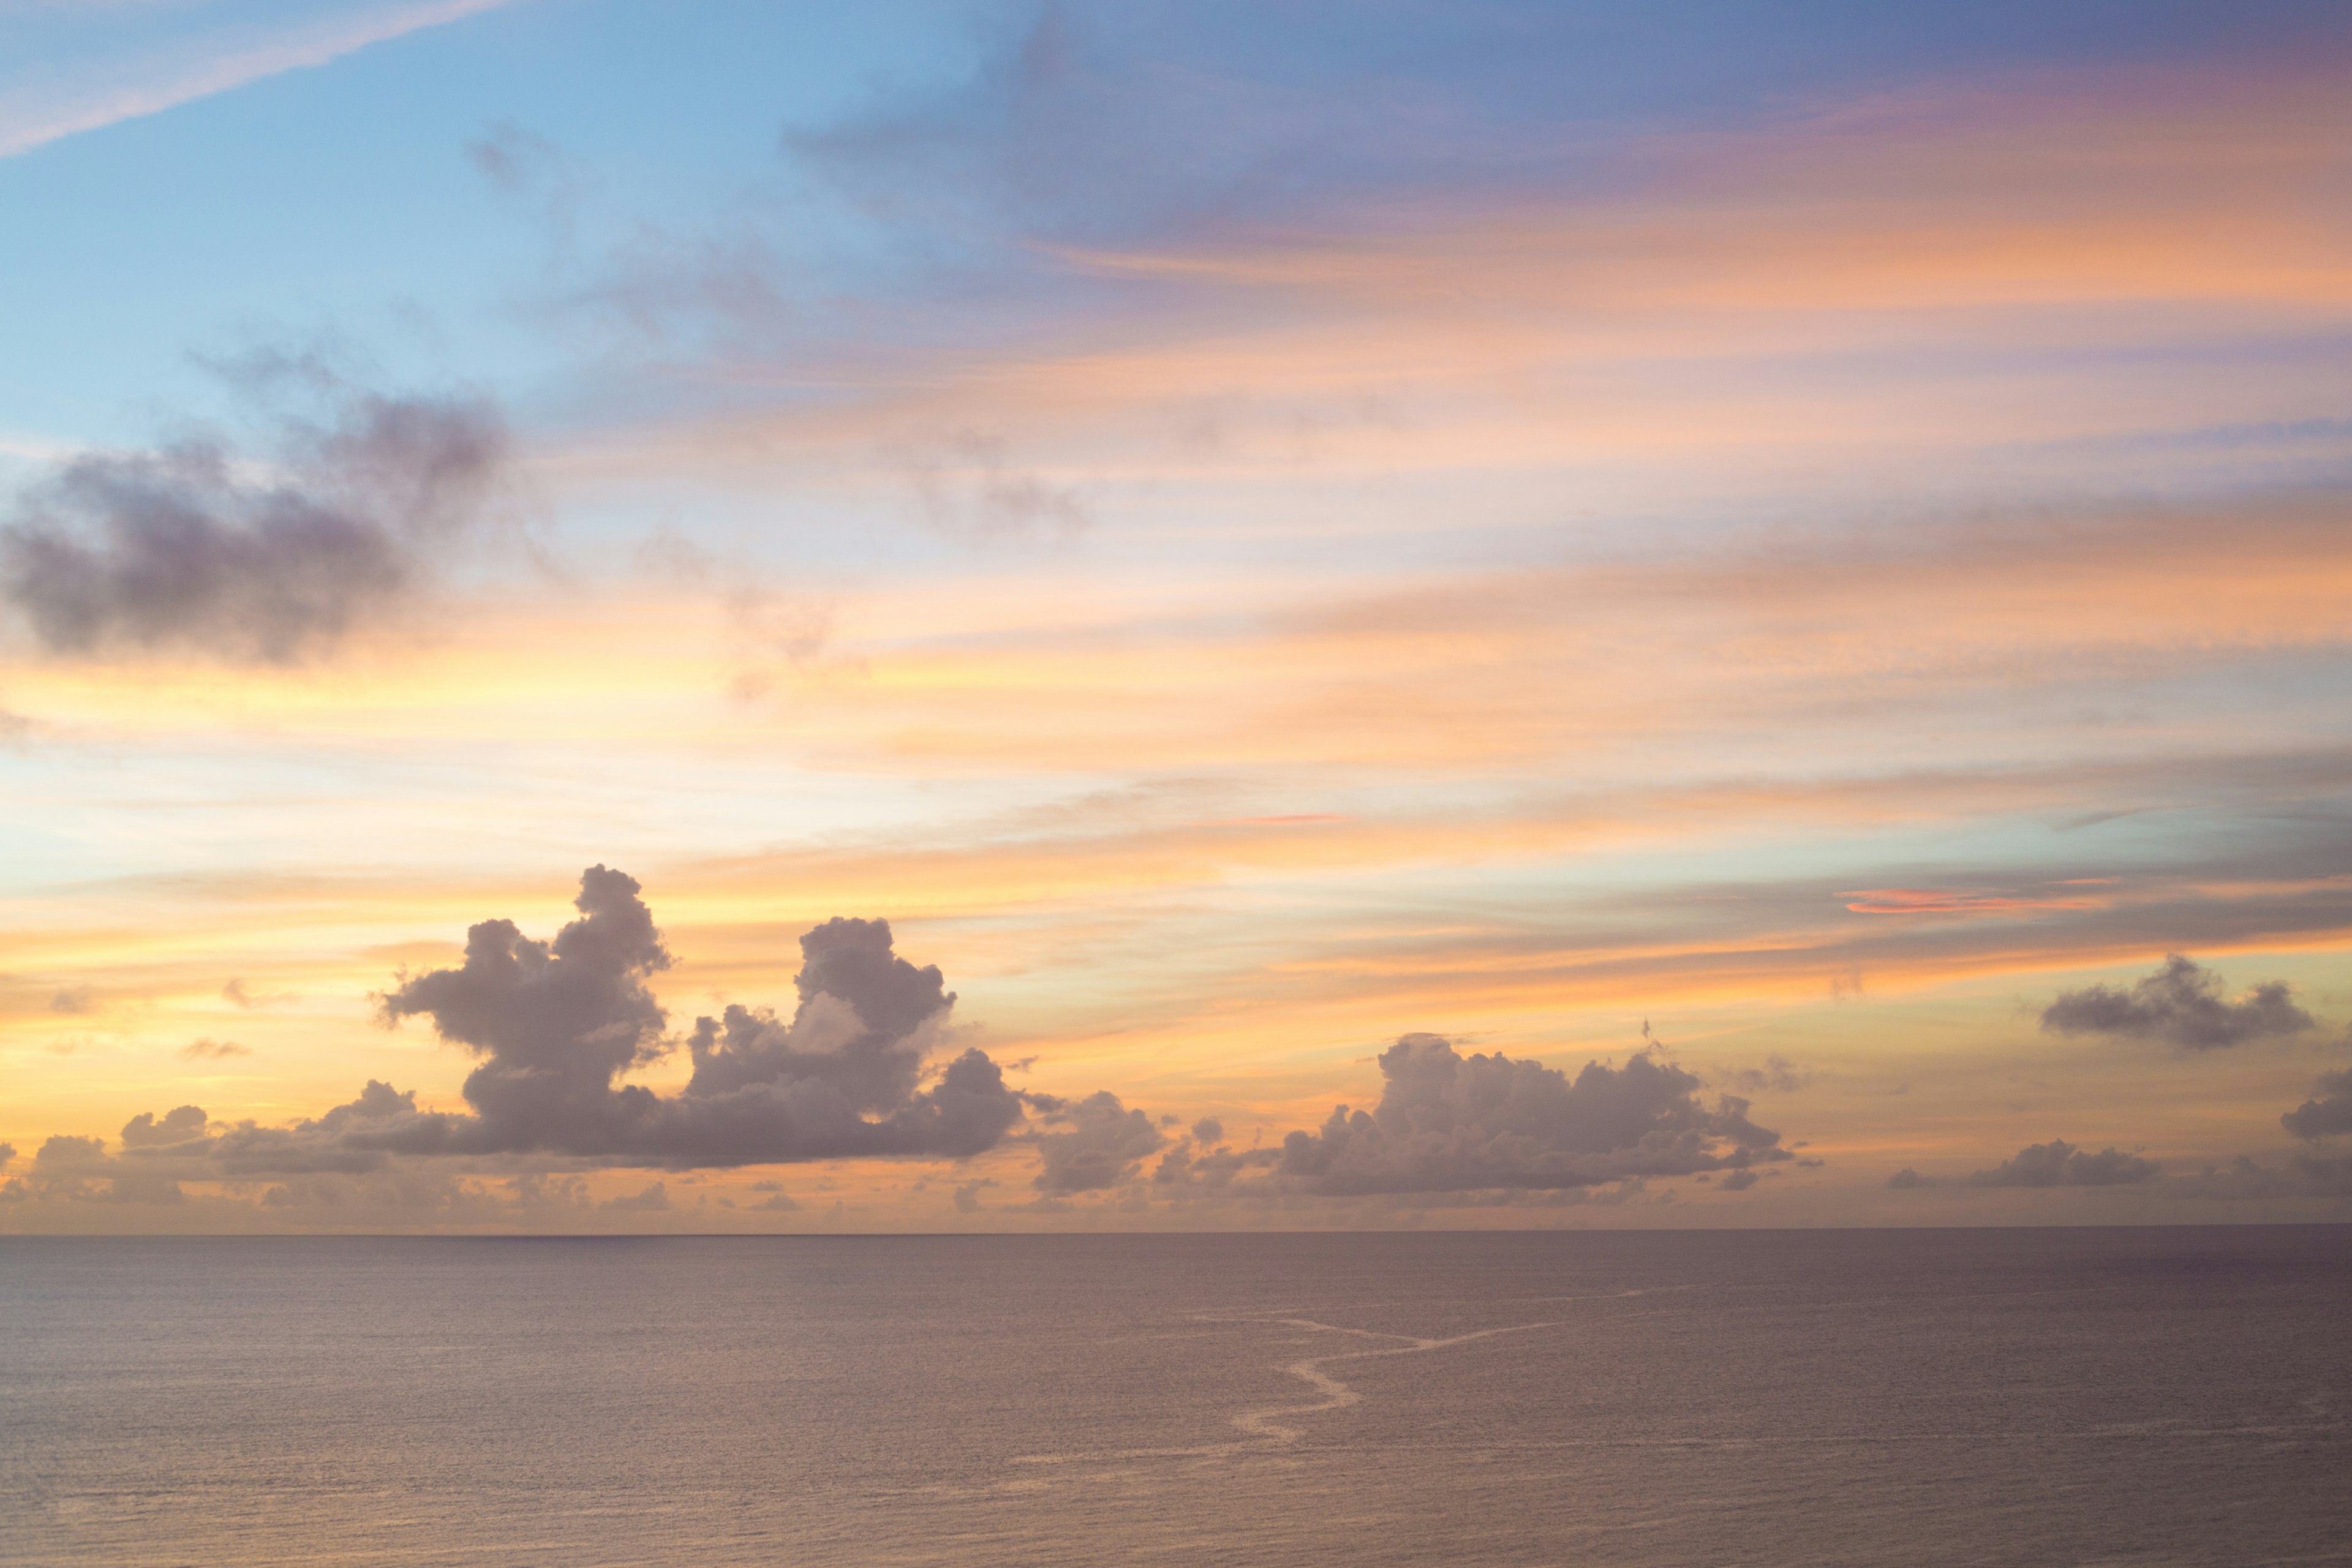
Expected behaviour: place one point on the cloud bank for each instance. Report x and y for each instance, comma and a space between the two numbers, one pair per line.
2180, 1004
1448, 1123
557, 1021
2056, 1163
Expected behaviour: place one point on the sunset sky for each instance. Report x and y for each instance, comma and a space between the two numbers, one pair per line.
1369, 555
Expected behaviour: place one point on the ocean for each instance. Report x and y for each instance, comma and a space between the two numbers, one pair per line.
2158, 1395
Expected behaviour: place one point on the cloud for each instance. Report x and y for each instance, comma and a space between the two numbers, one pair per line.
1740, 1181
8, 1153
2182, 1003
66, 1153
191, 546
1447, 1123
1208, 1130
213, 1050
1778, 1075
557, 1021
655, 1199
1105, 1142
2302, 1177
2323, 1117
180, 1126
238, 995
48, 110
2059, 1163
1907, 1178
969, 490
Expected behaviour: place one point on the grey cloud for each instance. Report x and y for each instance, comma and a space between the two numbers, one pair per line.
1102, 1149
1740, 1181
180, 1126
8, 1153
190, 545
1208, 1130
655, 1199
2059, 1163
2321, 1117
1447, 1123
2302, 1177
557, 1021
1907, 1178
71, 1003
66, 1154
143, 1189
2179, 1003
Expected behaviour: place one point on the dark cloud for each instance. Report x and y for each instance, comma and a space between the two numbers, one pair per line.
2059, 1163
2327, 1112
557, 1021
196, 546
8, 1153
1208, 1130
1907, 1178
1101, 1149
2179, 1003
1447, 1123
1738, 1181
212, 1050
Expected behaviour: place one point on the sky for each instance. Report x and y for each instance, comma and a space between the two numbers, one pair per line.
967, 617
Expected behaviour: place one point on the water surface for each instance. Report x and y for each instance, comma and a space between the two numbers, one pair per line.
2092, 1396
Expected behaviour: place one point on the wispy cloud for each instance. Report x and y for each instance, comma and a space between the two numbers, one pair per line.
121, 90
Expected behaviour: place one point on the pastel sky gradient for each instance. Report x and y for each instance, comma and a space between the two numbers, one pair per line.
1798, 553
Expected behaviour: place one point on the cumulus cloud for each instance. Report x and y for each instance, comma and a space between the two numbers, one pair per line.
2059, 1163
1102, 1147
557, 1021
194, 546
180, 1126
2327, 1112
1446, 1123
2182, 1003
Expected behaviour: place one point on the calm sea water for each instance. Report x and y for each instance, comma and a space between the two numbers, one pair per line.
2100, 1396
